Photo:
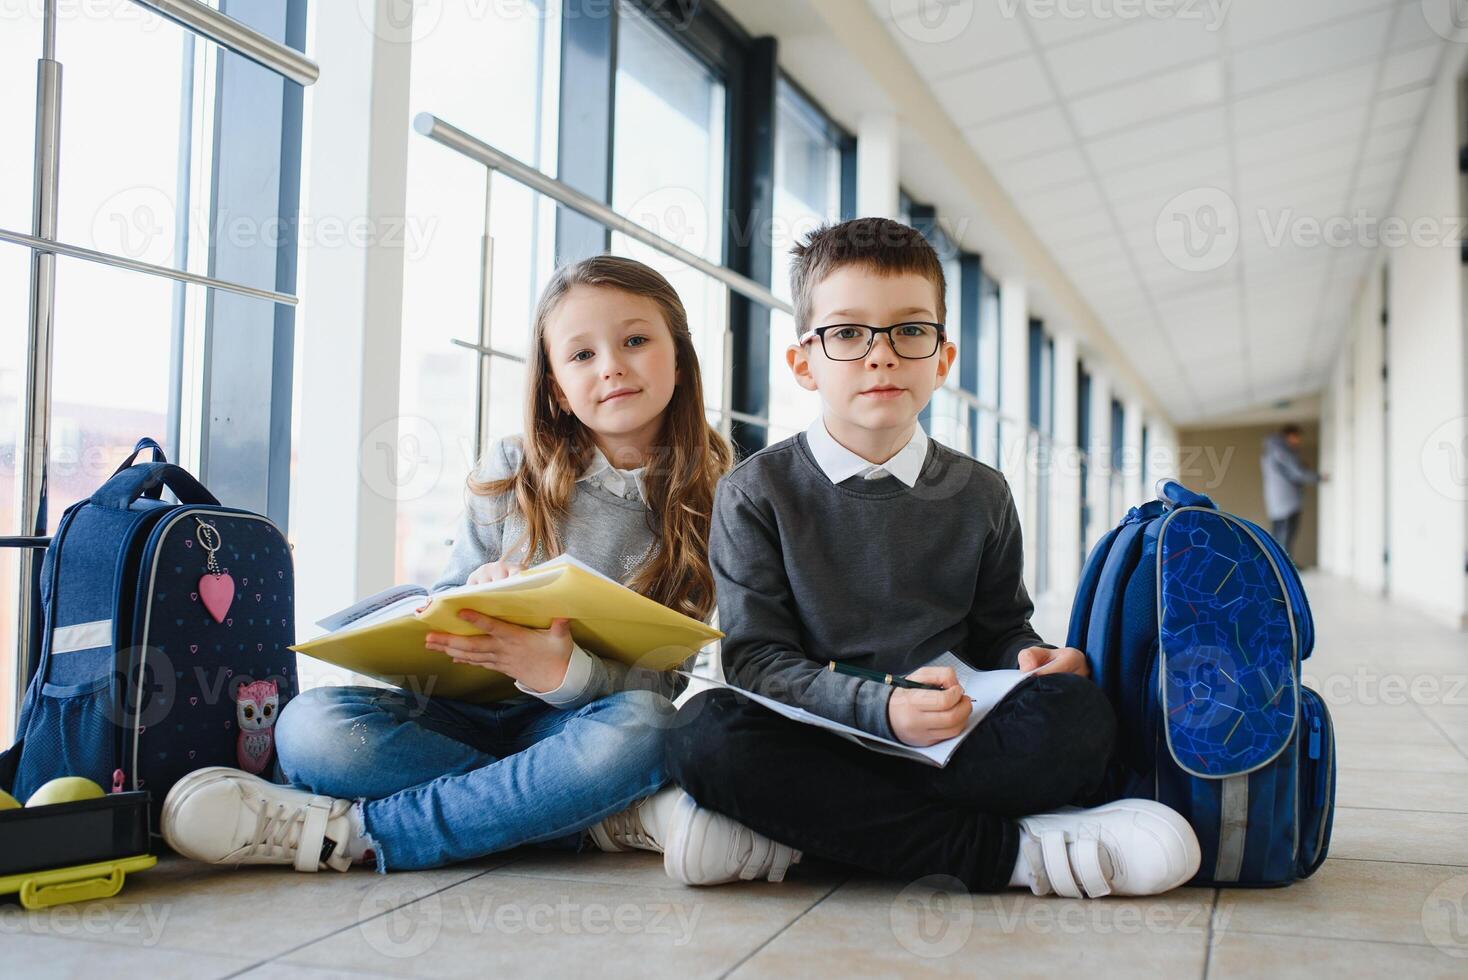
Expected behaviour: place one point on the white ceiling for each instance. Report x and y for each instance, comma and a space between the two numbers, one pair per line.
1094, 124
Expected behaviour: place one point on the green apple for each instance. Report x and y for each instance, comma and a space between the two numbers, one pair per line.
8, 802
65, 789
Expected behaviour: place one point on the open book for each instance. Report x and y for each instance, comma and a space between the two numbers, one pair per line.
986, 687
382, 635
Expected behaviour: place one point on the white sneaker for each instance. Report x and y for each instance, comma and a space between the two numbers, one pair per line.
1130, 847
702, 847
225, 816
630, 829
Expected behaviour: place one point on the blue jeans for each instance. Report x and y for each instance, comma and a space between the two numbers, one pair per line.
446, 780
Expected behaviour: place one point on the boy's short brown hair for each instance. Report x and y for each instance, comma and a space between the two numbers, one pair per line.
887, 247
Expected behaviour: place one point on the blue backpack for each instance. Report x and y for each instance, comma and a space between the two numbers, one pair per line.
164, 643
1195, 624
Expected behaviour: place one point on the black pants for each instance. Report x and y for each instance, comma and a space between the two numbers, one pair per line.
1284, 532
1044, 746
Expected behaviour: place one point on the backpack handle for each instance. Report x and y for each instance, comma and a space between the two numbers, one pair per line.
144, 443
158, 457
1174, 494
123, 489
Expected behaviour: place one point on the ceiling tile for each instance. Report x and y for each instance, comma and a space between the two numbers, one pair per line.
1003, 89
1080, 254
1411, 27
1411, 66
1079, 230
1201, 168
1043, 171
1252, 21
1385, 142
1287, 105
1179, 90
946, 39
1020, 137
1147, 47
1405, 107
1379, 179
1285, 171
1059, 29
1148, 143
1063, 203
1313, 133
1311, 53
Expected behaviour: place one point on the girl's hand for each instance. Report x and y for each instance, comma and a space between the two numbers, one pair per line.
1043, 660
493, 571
535, 658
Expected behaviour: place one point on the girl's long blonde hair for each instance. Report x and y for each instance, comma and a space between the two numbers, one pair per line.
680, 473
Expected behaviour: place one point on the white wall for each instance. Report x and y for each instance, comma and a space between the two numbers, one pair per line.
1402, 485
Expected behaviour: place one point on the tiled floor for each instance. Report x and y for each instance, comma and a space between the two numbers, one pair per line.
1393, 898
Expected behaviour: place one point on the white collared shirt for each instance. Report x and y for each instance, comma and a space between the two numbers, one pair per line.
841, 464
600, 472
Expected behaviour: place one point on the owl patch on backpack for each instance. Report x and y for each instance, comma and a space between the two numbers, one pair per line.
256, 705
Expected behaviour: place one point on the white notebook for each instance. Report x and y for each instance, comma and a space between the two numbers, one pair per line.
986, 687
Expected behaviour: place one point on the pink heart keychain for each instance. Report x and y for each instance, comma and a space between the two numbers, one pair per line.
216, 588
217, 591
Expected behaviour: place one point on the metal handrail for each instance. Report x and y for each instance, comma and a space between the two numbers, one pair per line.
446, 134
47, 246
489, 351
427, 124
230, 33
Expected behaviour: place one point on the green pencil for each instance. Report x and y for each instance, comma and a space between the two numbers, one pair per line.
877, 675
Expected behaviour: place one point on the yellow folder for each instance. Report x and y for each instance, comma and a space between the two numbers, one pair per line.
607, 619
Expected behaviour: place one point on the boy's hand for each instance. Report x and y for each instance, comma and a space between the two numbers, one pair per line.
535, 658
921, 717
1043, 660
493, 571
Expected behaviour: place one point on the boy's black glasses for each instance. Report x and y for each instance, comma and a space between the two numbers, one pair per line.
853, 341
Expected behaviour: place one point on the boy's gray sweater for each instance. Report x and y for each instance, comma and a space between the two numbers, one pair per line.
868, 572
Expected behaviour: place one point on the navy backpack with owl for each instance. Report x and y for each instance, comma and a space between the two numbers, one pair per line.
165, 643
1194, 622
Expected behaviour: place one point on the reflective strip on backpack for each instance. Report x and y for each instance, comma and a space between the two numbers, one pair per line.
82, 636
1233, 827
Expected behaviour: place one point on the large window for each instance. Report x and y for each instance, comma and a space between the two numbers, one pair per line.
988, 445
1042, 438
810, 154
125, 79
1083, 451
145, 108
948, 412
1116, 488
1146, 459
460, 72
668, 173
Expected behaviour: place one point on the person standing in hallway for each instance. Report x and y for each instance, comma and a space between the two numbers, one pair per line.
1284, 475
